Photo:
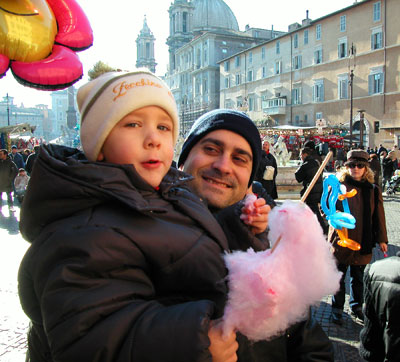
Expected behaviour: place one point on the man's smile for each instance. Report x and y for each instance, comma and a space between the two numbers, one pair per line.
216, 182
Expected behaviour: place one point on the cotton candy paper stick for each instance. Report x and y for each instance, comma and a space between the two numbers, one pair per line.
316, 176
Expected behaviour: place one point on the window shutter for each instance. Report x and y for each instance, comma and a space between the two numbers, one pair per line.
370, 84
322, 93
299, 89
382, 76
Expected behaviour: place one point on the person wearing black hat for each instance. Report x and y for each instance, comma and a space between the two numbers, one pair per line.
380, 336
370, 229
222, 153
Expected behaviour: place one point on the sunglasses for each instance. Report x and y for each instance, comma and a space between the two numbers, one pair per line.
358, 165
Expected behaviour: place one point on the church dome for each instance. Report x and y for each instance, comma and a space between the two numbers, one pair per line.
212, 15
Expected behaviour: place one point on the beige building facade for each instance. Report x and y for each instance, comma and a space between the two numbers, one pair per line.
340, 68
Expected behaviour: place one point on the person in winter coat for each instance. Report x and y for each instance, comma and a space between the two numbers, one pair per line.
8, 171
305, 173
16, 157
20, 184
370, 229
375, 166
267, 159
387, 169
221, 153
380, 336
125, 263
30, 161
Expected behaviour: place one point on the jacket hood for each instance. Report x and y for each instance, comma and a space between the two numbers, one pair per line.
64, 182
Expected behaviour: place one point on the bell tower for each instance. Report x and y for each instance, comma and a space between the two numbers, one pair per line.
180, 27
145, 48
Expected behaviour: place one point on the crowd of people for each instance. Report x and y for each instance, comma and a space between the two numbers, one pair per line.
125, 262
15, 168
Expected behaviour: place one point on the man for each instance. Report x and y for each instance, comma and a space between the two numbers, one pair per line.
222, 153
16, 157
380, 336
267, 179
8, 171
305, 173
30, 161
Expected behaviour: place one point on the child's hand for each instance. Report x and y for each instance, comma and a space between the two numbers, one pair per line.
222, 348
255, 214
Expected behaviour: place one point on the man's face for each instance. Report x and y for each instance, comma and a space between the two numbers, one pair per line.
14, 151
2, 155
266, 146
221, 164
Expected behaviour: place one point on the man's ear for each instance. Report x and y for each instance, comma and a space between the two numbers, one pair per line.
100, 156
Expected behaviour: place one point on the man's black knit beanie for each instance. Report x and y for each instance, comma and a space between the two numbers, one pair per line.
230, 120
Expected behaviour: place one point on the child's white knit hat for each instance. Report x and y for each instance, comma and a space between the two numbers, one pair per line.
104, 101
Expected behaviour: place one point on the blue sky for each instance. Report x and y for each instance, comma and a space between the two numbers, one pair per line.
117, 23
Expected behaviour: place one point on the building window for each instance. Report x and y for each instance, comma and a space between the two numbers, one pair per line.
278, 47
205, 56
305, 36
205, 86
342, 48
256, 34
318, 91
296, 119
296, 40
375, 83
263, 53
224, 51
250, 76
318, 56
226, 66
227, 82
239, 102
264, 71
228, 104
237, 61
343, 23
297, 62
197, 86
237, 79
184, 22
296, 96
250, 58
252, 103
376, 39
377, 11
305, 118
318, 115
223, 42
277, 67
318, 32
343, 86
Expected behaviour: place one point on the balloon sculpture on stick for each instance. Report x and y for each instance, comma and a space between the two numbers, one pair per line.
273, 289
341, 221
38, 41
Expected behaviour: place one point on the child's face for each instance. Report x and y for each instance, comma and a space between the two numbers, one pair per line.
22, 173
143, 138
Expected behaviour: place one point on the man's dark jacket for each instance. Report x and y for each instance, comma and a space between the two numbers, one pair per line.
17, 159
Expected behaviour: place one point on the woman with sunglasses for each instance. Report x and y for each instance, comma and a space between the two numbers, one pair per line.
370, 229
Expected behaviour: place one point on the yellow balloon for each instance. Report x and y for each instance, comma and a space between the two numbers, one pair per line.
27, 29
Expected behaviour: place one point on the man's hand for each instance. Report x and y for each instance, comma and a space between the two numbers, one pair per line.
255, 215
222, 348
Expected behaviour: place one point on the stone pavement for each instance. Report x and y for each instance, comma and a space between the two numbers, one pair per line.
14, 324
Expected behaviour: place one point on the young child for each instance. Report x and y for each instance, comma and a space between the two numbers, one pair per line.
20, 184
125, 262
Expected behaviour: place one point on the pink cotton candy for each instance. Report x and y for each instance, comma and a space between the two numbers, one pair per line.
271, 291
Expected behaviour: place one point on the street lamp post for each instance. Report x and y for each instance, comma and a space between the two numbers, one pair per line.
352, 54
361, 112
8, 111
351, 107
